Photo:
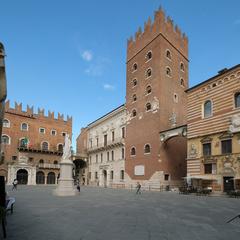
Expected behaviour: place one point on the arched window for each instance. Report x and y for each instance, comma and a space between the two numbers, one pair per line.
6, 139
175, 98
182, 82
133, 151
23, 142
134, 97
53, 132
134, 82
148, 89
55, 162
60, 147
149, 73
237, 99
207, 109
6, 123
134, 113
168, 55
148, 106
168, 72
182, 68
135, 66
149, 55
147, 148
41, 161
24, 127
45, 146
51, 178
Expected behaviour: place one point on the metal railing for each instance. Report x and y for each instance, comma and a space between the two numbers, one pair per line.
106, 144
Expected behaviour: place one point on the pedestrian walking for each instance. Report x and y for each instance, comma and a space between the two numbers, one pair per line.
78, 187
15, 183
138, 188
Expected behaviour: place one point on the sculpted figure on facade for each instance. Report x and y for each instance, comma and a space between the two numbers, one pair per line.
3, 86
235, 123
155, 104
192, 151
173, 119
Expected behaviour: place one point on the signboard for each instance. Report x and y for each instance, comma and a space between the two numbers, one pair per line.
139, 170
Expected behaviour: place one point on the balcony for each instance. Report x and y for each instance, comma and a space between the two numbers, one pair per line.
48, 166
117, 142
38, 149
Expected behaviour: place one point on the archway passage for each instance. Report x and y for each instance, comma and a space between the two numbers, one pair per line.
80, 165
22, 176
104, 178
51, 178
40, 178
175, 152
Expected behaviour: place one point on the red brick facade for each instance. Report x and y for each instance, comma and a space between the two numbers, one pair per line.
168, 80
28, 142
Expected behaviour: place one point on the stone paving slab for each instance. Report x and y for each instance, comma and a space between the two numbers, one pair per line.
117, 214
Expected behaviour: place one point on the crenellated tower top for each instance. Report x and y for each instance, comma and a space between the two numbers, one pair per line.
18, 110
161, 25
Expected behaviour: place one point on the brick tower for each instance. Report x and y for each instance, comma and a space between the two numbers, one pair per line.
157, 77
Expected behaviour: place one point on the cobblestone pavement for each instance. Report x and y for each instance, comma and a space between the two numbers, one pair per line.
113, 214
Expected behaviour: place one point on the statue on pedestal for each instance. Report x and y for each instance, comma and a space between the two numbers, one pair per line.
3, 89
65, 183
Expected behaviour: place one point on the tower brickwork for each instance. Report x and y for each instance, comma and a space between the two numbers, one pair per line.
157, 77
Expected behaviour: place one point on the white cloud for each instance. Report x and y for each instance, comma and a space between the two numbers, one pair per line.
87, 55
108, 87
98, 67
94, 70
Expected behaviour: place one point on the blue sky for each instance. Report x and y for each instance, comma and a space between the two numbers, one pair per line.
69, 55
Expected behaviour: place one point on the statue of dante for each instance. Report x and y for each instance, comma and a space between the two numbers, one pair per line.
67, 148
3, 88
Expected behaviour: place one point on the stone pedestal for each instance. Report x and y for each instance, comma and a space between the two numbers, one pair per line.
65, 183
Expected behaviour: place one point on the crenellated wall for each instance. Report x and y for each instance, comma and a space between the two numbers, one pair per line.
18, 110
163, 26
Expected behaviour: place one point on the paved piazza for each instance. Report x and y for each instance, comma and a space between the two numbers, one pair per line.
99, 213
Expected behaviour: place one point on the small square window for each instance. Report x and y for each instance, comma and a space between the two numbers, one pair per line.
14, 158
166, 177
42, 130
63, 134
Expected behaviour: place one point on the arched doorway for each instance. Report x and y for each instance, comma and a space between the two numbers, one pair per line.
79, 170
40, 177
105, 178
22, 176
51, 178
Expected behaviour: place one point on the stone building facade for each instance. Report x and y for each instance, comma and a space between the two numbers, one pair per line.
157, 77
214, 132
32, 145
104, 143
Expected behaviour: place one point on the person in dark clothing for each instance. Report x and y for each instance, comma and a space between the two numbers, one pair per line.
138, 188
15, 183
78, 187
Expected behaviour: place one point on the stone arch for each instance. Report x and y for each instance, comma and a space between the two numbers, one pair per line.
51, 178
40, 177
22, 176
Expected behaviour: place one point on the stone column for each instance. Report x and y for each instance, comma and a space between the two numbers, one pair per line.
33, 175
